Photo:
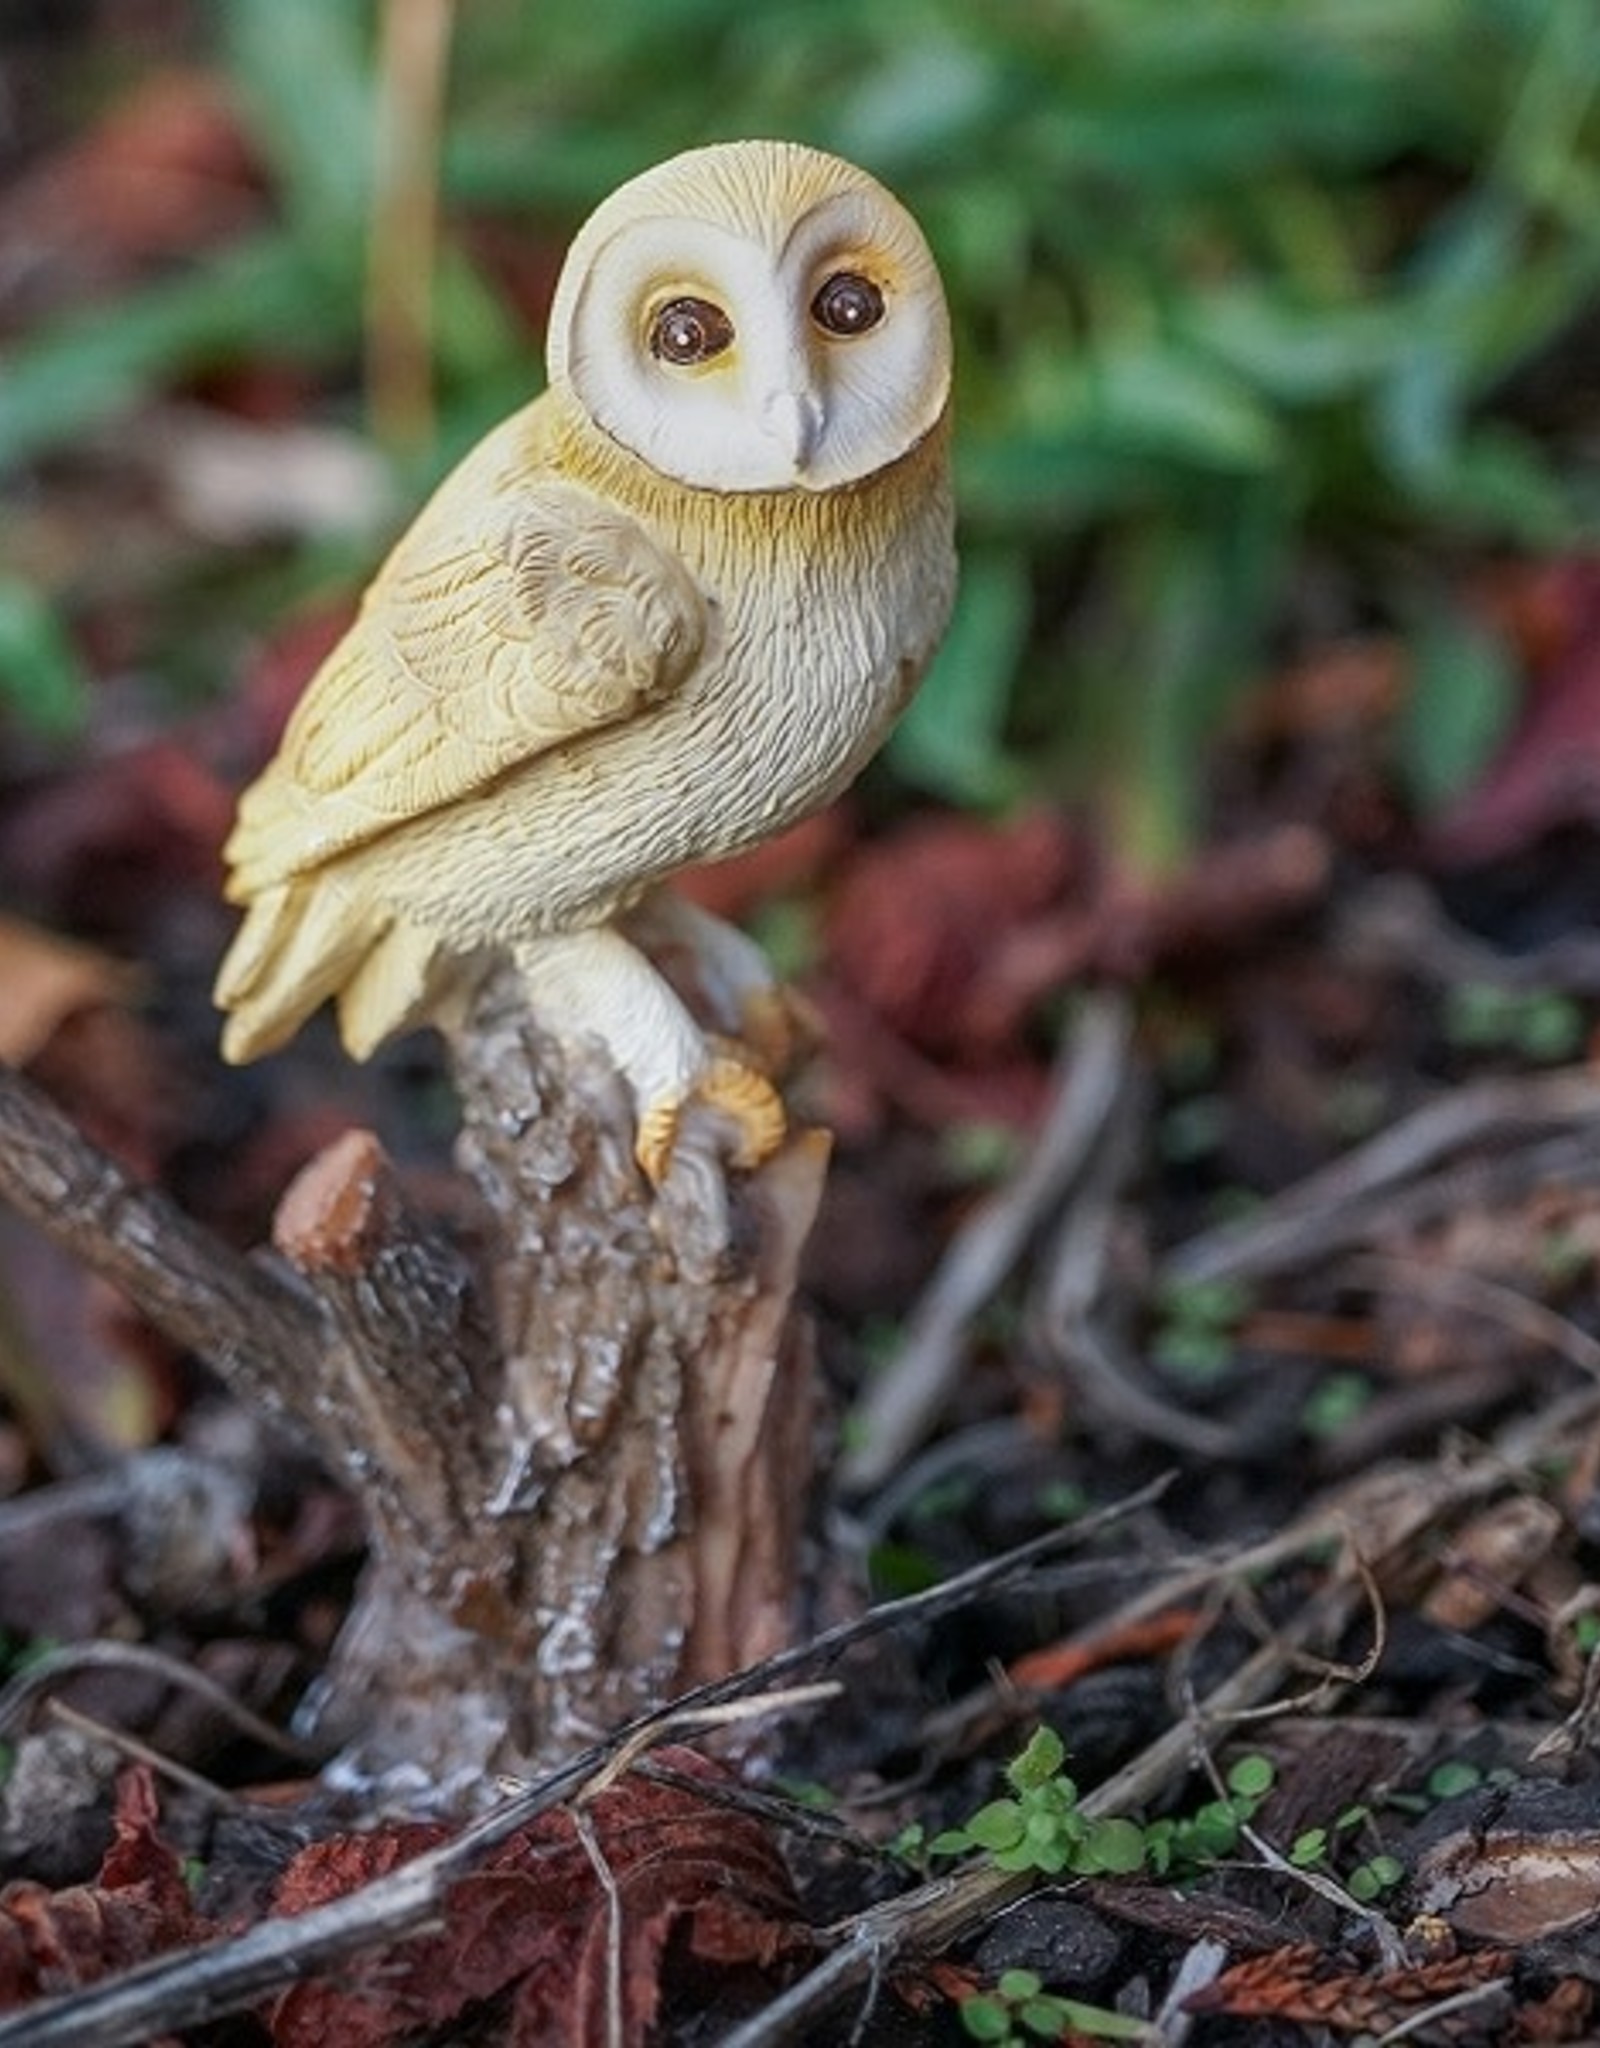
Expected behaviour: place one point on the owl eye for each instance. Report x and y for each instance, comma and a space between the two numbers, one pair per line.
847, 304
686, 331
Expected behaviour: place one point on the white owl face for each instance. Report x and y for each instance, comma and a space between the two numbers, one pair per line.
755, 316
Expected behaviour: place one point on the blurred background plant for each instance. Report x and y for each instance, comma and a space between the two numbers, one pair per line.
1271, 317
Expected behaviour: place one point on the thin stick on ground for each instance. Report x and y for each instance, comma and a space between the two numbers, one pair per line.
67, 1660
906, 1399
1333, 1208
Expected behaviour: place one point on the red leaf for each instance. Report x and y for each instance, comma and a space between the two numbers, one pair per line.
537, 1921
165, 172
138, 1856
254, 719
952, 930
55, 1941
106, 836
733, 888
1548, 775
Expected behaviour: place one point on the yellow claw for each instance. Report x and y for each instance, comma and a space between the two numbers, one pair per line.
731, 1089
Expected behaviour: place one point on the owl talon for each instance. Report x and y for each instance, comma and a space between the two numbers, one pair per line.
732, 1090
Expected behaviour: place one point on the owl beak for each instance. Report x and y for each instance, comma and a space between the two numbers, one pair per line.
793, 419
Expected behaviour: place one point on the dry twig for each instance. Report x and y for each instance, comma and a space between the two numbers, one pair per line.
1544, 1123
905, 1400
247, 1318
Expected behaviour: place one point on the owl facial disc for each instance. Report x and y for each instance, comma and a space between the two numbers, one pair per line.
755, 316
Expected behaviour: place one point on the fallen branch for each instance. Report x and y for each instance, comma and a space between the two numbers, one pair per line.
246, 1318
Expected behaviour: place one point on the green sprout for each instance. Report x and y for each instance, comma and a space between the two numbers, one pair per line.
1041, 1826
1019, 2009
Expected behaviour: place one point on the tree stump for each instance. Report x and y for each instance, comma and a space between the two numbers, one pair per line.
583, 1446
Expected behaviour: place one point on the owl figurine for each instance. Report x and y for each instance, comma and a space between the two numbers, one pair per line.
661, 613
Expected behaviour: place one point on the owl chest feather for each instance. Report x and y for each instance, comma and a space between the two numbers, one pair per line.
820, 613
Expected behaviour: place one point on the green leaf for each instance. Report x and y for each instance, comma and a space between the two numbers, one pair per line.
950, 741
1208, 1305
1251, 1777
85, 367
305, 73
1098, 2023
999, 1825
1551, 1027
1015, 1984
1301, 354
1335, 1402
1164, 399
1046, 2017
1213, 1830
986, 2018
1197, 1355
1039, 1761
1050, 1819
928, 100
1453, 1777
1116, 1847
951, 1842
902, 1568
1370, 1880
1459, 707
41, 675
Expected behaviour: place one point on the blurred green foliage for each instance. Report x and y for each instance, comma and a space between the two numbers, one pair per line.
1250, 297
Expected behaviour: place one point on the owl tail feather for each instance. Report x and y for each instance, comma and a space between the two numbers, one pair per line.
398, 980
301, 943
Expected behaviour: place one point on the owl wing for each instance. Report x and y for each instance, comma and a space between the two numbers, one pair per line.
548, 619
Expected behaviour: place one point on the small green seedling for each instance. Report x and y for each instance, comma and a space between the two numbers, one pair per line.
1042, 1827
1179, 1845
1370, 1880
1019, 2010
1334, 1403
1537, 1024
1197, 1335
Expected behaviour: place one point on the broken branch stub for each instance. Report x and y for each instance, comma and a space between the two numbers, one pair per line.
586, 1473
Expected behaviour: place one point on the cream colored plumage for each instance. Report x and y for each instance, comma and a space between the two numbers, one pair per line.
661, 613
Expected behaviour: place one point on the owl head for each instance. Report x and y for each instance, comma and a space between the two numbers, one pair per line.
755, 316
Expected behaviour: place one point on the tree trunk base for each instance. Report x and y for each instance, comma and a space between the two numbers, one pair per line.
586, 1464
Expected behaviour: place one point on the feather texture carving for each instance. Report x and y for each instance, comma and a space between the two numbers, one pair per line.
664, 611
